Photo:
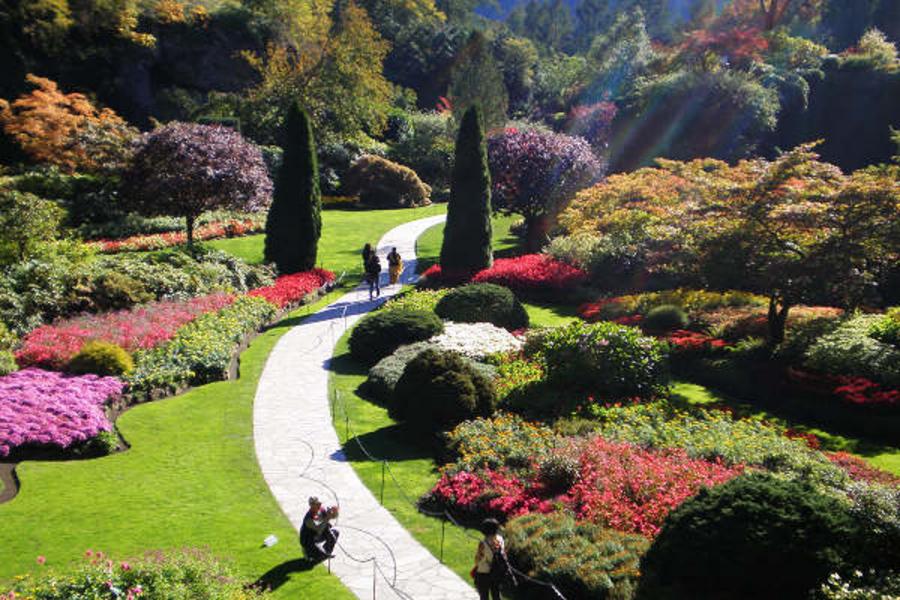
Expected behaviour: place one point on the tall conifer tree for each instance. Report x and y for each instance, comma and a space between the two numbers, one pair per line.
294, 224
467, 235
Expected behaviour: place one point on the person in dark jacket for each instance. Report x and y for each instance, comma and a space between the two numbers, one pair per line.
317, 529
373, 274
367, 253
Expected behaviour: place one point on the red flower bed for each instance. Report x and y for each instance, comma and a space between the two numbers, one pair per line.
860, 470
530, 273
146, 326
490, 492
591, 311
290, 289
632, 489
157, 241
811, 439
683, 339
855, 390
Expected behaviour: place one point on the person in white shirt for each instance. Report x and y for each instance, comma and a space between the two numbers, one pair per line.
486, 580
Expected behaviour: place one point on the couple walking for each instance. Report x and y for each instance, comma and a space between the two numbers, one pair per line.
372, 266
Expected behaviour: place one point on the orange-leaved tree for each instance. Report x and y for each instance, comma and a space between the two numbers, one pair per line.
66, 129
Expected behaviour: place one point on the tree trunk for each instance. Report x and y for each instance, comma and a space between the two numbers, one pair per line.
536, 232
190, 234
777, 320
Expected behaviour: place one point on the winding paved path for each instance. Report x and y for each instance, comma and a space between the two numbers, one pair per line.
300, 455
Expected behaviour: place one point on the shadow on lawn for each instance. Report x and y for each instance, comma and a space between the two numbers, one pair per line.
344, 364
391, 443
277, 576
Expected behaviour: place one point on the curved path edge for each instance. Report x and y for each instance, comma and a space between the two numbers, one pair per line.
300, 455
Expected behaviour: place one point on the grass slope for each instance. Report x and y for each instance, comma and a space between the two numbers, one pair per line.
412, 466
428, 246
883, 457
344, 233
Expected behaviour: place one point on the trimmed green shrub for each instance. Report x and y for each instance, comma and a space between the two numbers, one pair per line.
467, 234
101, 358
415, 300
385, 184
115, 291
613, 361
887, 330
383, 377
483, 303
382, 332
7, 362
438, 390
753, 537
294, 222
665, 318
185, 575
584, 560
851, 350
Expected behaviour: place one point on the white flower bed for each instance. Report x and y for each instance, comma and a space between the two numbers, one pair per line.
475, 340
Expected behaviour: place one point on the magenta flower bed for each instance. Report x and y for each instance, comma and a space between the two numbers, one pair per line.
290, 289
52, 409
146, 326
528, 273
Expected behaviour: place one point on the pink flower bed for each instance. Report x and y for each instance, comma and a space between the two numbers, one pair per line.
289, 289
48, 408
157, 241
531, 272
860, 470
146, 326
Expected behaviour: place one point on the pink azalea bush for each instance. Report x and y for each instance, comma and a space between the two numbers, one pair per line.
528, 273
290, 289
142, 327
48, 408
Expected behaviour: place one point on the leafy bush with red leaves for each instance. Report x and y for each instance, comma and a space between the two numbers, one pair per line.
860, 470
527, 273
855, 390
290, 289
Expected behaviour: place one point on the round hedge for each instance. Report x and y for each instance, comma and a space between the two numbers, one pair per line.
483, 303
440, 389
666, 317
382, 332
101, 358
753, 537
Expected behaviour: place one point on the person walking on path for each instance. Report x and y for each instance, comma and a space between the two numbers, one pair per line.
373, 274
395, 265
490, 561
367, 253
317, 529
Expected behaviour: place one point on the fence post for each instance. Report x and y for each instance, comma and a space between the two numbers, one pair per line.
443, 527
346, 427
383, 465
374, 578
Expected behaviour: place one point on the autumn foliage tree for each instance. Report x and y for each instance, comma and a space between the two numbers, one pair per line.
184, 169
66, 130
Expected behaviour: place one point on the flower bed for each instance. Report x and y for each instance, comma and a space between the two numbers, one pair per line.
51, 409
476, 340
860, 470
144, 327
607, 309
857, 391
293, 288
158, 241
528, 273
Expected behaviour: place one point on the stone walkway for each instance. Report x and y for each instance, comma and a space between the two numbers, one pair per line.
300, 455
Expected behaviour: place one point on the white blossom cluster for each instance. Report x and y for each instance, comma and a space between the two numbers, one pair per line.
475, 340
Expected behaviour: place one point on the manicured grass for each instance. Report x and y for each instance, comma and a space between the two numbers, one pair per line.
428, 246
550, 315
411, 465
883, 457
190, 478
344, 233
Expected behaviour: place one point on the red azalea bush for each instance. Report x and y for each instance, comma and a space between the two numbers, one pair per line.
811, 439
528, 273
489, 492
290, 289
860, 470
142, 327
693, 341
632, 489
158, 241
855, 390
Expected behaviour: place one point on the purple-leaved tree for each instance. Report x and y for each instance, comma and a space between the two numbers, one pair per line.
184, 169
536, 173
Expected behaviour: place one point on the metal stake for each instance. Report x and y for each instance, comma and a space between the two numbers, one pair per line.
383, 465
443, 527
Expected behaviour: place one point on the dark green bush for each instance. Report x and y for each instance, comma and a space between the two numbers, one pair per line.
753, 537
483, 303
382, 332
383, 377
440, 389
609, 360
114, 291
665, 318
584, 560
101, 358
382, 183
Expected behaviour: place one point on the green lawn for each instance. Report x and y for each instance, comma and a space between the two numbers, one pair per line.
190, 477
411, 465
883, 457
344, 233
428, 246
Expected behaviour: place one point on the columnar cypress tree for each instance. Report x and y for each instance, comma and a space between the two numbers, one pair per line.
467, 235
294, 224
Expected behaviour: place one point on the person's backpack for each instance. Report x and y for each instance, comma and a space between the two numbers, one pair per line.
374, 266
